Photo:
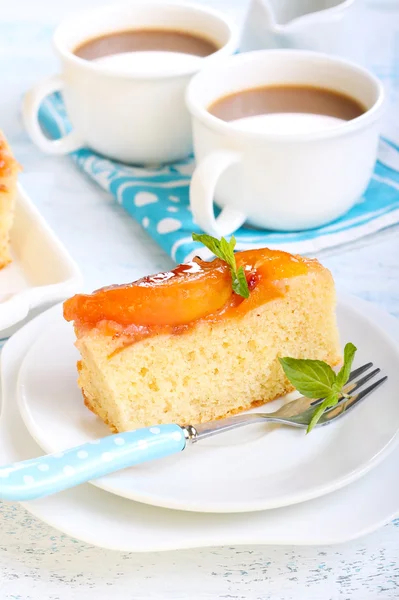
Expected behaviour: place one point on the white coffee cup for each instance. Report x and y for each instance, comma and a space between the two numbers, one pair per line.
136, 113
283, 180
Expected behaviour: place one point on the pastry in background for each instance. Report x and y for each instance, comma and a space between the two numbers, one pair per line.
8, 189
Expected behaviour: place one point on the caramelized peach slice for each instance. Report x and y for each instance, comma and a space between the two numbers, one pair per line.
271, 264
193, 291
188, 293
265, 270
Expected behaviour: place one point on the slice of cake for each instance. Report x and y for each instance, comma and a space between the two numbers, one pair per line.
8, 186
182, 347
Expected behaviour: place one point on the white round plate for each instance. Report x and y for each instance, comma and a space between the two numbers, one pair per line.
255, 468
108, 521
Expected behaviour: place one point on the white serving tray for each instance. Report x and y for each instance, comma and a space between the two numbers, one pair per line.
41, 273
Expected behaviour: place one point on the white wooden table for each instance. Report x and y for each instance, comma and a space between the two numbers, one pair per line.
38, 563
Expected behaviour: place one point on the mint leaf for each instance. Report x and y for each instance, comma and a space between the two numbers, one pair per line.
210, 242
316, 379
240, 285
344, 372
225, 250
328, 402
312, 378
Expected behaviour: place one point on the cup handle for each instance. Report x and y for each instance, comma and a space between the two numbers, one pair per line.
30, 112
202, 190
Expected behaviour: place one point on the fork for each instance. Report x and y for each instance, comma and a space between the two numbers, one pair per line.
38, 477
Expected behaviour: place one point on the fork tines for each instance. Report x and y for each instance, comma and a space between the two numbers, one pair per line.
350, 387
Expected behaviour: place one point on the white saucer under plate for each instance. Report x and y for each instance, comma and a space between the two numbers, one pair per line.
103, 519
253, 468
42, 272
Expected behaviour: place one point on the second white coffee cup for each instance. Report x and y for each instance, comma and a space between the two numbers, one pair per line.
283, 181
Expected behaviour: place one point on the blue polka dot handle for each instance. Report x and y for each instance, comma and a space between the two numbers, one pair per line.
49, 474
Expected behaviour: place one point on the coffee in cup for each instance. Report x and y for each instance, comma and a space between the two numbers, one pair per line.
112, 45
286, 109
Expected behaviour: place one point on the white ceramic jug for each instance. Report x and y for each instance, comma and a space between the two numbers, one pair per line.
330, 26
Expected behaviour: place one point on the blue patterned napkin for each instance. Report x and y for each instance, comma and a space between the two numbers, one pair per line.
158, 199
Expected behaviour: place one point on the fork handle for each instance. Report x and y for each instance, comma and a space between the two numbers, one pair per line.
52, 473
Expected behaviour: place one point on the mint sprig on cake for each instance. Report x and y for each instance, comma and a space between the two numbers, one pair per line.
225, 250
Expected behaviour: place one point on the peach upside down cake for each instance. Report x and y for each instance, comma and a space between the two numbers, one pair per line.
182, 347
